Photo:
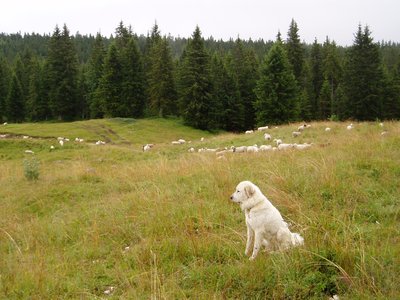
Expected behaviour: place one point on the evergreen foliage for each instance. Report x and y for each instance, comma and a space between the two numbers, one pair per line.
276, 89
14, 101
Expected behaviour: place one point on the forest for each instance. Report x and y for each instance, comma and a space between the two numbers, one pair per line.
211, 84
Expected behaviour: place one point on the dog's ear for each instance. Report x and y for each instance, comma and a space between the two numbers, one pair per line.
249, 190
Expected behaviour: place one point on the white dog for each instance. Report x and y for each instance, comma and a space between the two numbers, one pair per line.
265, 225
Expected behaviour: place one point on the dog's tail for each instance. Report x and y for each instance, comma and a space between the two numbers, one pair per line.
297, 239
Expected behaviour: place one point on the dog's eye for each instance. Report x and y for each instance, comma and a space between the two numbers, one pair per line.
237, 191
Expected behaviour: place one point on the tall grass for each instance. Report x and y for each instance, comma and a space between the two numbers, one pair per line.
160, 225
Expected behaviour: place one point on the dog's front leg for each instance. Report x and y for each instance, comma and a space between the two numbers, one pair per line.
250, 240
258, 239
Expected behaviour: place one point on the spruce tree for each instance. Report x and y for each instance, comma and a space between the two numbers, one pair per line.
14, 104
363, 79
295, 51
62, 76
195, 83
94, 74
276, 89
4, 86
161, 82
325, 98
317, 76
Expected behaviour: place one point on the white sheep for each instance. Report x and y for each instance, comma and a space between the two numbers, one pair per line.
249, 131
147, 147
99, 142
79, 140
265, 148
191, 150
302, 146
52, 147
181, 141
252, 148
263, 128
5, 123
277, 141
267, 136
285, 146
349, 127
296, 133
381, 124
29, 152
327, 129
384, 133
302, 127
202, 139
222, 152
175, 143
240, 149
210, 150
25, 137
61, 142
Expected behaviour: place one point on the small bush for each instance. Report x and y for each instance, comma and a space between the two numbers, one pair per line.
31, 168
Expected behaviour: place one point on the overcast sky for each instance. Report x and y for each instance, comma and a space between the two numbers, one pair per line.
254, 19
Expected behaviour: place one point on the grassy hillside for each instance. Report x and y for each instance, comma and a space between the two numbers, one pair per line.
160, 224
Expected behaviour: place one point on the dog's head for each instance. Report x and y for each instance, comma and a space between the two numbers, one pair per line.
244, 190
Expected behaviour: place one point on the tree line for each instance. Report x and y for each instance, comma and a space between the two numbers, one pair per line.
233, 85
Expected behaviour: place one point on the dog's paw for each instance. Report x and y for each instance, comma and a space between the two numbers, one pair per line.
247, 253
252, 258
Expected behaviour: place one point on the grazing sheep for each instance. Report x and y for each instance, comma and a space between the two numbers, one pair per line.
263, 128
265, 148
384, 133
25, 137
222, 152
210, 150
327, 129
79, 140
267, 136
181, 141
3, 136
302, 127
277, 141
252, 148
29, 152
302, 146
249, 131
349, 127
175, 143
5, 123
99, 142
61, 142
191, 150
202, 139
240, 149
296, 133
285, 146
381, 124
52, 148
147, 147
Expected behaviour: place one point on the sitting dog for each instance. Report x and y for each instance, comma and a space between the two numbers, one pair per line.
265, 225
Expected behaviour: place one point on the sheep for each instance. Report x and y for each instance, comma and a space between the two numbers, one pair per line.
222, 152
52, 147
210, 150
277, 141
384, 133
285, 146
252, 148
60, 138
262, 128
267, 136
5, 123
147, 147
202, 139
25, 137
265, 148
29, 152
240, 149
79, 140
99, 142
349, 127
302, 146
296, 133
302, 127
249, 131
381, 124
181, 141
175, 143
3, 136
61, 142
327, 129
191, 150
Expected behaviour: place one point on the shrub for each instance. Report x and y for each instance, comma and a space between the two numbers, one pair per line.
31, 168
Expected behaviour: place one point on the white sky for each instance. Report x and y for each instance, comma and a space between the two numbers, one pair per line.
337, 19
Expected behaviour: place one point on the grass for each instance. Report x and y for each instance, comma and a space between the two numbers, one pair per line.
160, 224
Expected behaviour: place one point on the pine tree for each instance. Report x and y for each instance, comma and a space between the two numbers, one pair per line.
161, 82
317, 76
14, 103
132, 98
110, 83
391, 95
227, 108
195, 83
94, 74
364, 78
325, 99
62, 77
276, 89
4, 86
295, 51
36, 105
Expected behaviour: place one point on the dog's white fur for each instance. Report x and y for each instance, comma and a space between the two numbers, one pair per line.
265, 225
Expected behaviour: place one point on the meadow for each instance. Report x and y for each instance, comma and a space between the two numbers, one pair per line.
114, 222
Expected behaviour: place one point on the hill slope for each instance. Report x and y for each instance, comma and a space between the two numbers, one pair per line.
160, 224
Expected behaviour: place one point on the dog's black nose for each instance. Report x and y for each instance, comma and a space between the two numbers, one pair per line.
231, 197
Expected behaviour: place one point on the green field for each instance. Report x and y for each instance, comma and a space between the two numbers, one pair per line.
159, 225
